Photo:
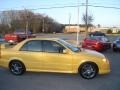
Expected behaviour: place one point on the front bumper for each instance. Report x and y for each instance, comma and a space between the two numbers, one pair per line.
104, 68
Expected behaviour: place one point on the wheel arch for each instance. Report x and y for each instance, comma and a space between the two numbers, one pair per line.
91, 62
18, 71
15, 59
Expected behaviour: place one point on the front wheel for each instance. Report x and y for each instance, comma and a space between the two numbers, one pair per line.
16, 67
88, 70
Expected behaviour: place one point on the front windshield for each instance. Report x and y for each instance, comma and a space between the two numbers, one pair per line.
70, 46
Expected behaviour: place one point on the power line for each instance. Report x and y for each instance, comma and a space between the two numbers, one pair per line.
67, 6
104, 6
71, 6
56, 7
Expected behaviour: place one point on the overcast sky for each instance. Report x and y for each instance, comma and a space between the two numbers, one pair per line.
103, 16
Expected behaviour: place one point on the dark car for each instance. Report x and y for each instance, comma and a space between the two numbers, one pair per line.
97, 33
98, 43
116, 44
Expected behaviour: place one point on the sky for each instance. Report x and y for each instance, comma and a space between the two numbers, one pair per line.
103, 16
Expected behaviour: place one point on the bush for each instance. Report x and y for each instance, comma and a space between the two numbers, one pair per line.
118, 32
109, 31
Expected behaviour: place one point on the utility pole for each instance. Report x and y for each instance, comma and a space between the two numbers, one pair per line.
78, 26
69, 20
86, 23
43, 25
27, 27
27, 23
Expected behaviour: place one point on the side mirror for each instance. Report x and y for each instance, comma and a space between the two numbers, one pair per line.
65, 51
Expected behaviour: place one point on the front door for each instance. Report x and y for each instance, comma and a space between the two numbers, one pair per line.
54, 59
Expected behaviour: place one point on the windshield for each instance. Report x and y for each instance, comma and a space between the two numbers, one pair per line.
70, 46
101, 38
118, 42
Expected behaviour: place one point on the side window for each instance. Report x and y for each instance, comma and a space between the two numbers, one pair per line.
34, 45
52, 47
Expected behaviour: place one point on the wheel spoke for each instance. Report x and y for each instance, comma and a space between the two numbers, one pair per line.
88, 71
16, 68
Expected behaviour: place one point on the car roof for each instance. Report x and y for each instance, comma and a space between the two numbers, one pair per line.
97, 33
42, 39
19, 45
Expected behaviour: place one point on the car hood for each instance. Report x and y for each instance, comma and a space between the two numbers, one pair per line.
91, 53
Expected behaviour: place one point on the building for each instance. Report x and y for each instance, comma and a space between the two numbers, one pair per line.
72, 28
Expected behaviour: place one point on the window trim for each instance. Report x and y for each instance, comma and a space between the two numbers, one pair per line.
52, 41
31, 50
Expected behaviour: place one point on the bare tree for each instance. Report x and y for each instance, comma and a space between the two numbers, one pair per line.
87, 21
22, 19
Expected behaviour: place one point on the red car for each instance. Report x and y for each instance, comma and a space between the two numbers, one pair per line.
17, 37
97, 43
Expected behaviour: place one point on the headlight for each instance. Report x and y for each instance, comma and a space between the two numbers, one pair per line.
104, 60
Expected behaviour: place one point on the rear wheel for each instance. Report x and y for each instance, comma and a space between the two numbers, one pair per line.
17, 67
88, 70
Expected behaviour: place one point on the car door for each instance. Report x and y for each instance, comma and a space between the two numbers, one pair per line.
54, 59
32, 55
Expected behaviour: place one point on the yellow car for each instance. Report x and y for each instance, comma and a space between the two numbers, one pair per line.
53, 55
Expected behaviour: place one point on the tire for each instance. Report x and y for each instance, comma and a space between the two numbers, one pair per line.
114, 48
17, 67
88, 70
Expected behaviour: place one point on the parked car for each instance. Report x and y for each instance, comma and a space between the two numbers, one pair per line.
97, 33
17, 36
117, 39
53, 55
98, 43
116, 45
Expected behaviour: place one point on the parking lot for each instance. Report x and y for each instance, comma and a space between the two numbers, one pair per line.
55, 81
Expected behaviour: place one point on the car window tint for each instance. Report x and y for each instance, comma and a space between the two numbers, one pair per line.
91, 38
52, 47
34, 45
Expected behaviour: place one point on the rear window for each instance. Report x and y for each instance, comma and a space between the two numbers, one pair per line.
34, 45
118, 42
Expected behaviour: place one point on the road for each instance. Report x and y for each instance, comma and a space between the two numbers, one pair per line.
55, 81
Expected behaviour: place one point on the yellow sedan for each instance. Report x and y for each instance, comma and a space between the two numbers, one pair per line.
53, 55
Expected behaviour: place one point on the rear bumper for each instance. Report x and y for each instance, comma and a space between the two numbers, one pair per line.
3, 64
98, 47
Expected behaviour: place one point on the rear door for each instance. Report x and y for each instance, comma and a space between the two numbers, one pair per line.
32, 54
